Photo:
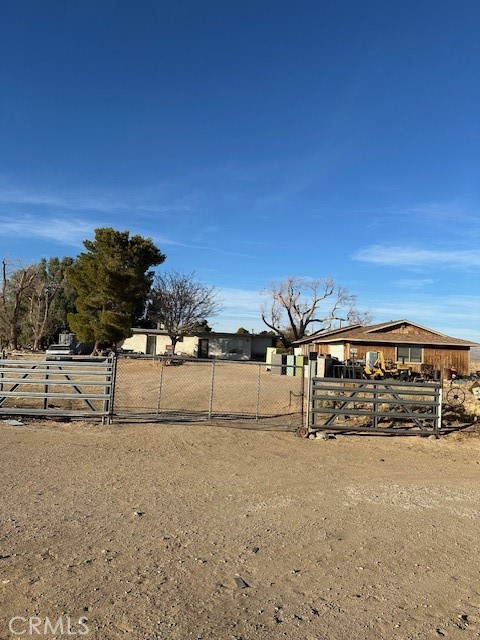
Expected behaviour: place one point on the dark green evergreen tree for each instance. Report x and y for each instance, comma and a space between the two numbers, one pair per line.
112, 280
201, 326
242, 331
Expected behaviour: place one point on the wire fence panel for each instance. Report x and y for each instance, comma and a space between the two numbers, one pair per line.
185, 388
137, 385
166, 387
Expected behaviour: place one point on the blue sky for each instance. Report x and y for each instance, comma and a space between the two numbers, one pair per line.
252, 141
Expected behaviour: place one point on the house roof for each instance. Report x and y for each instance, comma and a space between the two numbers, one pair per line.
322, 334
211, 334
385, 333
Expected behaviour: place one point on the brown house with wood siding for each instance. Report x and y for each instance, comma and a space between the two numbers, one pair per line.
401, 341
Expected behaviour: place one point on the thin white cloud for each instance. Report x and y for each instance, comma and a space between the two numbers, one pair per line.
413, 283
399, 256
37, 199
70, 202
450, 218
159, 199
453, 315
241, 308
73, 231
69, 231
455, 211
244, 300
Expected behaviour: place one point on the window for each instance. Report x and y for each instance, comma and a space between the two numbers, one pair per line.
232, 345
412, 355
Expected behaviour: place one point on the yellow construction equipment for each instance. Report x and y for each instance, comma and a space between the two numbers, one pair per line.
377, 369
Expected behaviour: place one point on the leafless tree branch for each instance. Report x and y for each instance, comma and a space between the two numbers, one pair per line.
294, 305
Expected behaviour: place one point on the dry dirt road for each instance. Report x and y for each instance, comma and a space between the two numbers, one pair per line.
223, 532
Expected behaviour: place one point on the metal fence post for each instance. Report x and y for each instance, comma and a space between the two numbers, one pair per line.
309, 379
212, 384
45, 400
302, 384
3, 357
257, 410
438, 421
375, 407
159, 398
110, 388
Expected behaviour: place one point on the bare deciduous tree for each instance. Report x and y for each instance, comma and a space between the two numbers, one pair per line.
180, 303
45, 295
34, 301
15, 288
38, 311
295, 304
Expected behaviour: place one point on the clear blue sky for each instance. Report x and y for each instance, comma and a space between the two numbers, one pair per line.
251, 141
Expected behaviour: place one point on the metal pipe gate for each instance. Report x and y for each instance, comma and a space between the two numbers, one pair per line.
77, 387
380, 406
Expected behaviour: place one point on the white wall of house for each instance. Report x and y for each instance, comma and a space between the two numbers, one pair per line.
136, 343
234, 347
188, 346
223, 345
145, 342
337, 351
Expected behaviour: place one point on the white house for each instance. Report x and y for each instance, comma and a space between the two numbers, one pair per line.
229, 346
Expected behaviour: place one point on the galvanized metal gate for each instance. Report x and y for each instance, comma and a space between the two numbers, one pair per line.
77, 387
381, 406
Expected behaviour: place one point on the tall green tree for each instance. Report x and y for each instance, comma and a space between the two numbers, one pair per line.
201, 326
112, 279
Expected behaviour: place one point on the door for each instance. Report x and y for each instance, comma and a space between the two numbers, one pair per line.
151, 345
203, 348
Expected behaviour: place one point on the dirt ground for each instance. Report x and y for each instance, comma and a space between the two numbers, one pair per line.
226, 532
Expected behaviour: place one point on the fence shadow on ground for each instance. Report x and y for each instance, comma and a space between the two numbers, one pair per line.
247, 423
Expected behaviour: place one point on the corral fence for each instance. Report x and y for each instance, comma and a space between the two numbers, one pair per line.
165, 388
152, 388
173, 388
381, 406
77, 387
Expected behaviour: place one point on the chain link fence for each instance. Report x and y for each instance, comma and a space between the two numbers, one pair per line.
165, 388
